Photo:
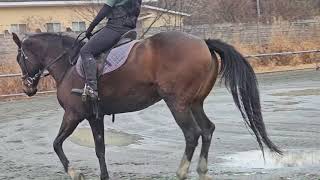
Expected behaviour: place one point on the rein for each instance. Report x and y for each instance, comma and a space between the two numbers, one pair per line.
23, 57
29, 81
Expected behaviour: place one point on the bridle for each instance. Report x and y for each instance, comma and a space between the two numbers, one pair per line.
30, 81
27, 79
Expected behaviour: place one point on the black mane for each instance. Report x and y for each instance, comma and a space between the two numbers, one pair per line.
68, 39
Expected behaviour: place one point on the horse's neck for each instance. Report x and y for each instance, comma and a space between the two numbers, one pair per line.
59, 69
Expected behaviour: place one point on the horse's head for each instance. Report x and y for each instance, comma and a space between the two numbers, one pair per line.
40, 51
30, 64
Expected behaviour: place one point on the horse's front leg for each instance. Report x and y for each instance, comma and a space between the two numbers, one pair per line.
68, 125
97, 127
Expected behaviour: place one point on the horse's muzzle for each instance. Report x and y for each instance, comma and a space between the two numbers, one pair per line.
30, 91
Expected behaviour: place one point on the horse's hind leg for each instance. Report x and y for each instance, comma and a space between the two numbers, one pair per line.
97, 127
207, 128
191, 133
68, 125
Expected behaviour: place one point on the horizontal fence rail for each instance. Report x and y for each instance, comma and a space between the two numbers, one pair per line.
23, 94
246, 56
10, 75
282, 53
46, 73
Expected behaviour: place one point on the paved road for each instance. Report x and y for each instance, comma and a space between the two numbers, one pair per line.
149, 145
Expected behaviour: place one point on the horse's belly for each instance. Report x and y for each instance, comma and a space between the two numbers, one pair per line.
133, 100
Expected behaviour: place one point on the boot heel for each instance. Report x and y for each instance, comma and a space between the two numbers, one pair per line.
84, 98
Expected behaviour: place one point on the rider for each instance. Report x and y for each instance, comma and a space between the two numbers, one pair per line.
122, 17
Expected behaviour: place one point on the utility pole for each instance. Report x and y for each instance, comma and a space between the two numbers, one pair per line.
258, 8
258, 21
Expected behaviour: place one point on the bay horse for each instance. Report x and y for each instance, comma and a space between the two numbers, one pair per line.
172, 66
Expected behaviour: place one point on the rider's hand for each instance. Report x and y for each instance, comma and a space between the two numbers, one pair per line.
89, 31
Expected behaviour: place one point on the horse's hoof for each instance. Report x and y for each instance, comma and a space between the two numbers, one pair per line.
75, 175
104, 177
181, 176
78, 176
205, 177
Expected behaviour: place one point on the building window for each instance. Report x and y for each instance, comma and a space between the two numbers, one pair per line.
53, 27
78, 26
19, 28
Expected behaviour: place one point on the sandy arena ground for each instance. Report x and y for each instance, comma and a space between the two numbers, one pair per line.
149, 144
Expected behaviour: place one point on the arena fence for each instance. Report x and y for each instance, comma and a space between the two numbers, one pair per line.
246, 56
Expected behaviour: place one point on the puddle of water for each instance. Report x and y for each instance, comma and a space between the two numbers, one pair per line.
288, 103
83, 137
295, 109
14, 141
291, 158
304, 92
283, 109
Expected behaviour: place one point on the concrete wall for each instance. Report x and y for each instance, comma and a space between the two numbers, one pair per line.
8, 49
248, 33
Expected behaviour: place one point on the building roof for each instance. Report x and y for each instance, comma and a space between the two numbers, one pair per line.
42, 3
165, 10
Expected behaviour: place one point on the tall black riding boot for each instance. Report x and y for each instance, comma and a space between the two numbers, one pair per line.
91, 87
90, 71
89, 93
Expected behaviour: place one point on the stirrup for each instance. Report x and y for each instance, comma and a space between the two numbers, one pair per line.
86, 92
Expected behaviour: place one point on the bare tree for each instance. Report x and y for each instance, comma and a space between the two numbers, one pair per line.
217, 11
89, 11
289, 9
35, 23
164, 4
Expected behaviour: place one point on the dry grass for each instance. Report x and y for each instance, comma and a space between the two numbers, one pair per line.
282, 43
12, 85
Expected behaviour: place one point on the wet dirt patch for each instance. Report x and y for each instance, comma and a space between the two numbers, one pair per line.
14, 141
83, 137
291, 158
303, 92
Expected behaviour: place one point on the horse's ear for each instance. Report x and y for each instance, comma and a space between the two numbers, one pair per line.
16, 39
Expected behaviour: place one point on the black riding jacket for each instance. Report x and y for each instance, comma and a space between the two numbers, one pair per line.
120, 13
126, 14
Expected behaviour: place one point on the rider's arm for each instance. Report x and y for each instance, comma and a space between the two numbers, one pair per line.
104, 12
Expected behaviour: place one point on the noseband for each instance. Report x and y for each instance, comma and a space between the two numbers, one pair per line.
29, 81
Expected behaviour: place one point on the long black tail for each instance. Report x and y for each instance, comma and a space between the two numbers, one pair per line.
240, 79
